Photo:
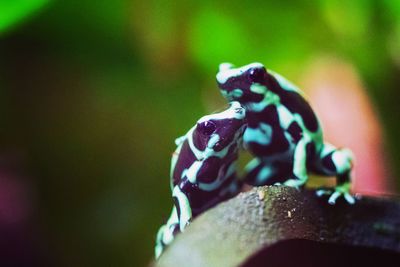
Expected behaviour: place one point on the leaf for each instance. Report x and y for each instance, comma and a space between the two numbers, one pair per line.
15, 11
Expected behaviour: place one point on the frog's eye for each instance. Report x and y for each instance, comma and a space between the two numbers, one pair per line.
257, 75
206, 127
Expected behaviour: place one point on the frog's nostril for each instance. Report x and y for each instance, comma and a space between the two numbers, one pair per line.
218, 146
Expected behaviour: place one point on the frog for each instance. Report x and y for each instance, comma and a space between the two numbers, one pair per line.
283, 132
203, 169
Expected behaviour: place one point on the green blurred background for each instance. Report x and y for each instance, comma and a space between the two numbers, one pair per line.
93, 93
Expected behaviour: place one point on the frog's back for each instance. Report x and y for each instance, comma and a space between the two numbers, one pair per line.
293, 99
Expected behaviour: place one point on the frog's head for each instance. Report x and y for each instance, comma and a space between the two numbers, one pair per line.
210, 147
244, 84
216, 132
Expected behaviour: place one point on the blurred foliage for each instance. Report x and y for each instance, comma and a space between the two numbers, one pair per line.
94, 93
12, 12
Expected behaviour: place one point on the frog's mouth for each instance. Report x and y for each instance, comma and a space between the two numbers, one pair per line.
233, 95
227, 95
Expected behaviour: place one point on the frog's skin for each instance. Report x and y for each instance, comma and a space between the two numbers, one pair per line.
203, 169
283, 132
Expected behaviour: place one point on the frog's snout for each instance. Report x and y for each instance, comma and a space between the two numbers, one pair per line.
225, 66
238, 109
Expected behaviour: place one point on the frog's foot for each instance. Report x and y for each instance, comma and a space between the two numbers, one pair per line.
158, 250
184, 224
340, 190
296, 183
160, 245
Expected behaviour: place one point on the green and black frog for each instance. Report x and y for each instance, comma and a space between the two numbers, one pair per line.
203, 169
283, 132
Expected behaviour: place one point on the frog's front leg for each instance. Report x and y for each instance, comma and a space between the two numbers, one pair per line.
299, 165
182, 204
167, 232
180, 217
338, 162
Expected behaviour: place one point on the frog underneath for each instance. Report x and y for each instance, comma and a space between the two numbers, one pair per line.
203, 169
283, 133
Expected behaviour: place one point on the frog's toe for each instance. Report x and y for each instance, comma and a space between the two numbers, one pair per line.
158, 250
349, 198
332, 199
337, 194
296, 183
342, 190
323, 192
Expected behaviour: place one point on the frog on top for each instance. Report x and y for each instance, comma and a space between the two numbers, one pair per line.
283, 132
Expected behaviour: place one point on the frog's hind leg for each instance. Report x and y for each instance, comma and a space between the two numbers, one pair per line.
166, 233
337, 162
299, 165
333, 161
